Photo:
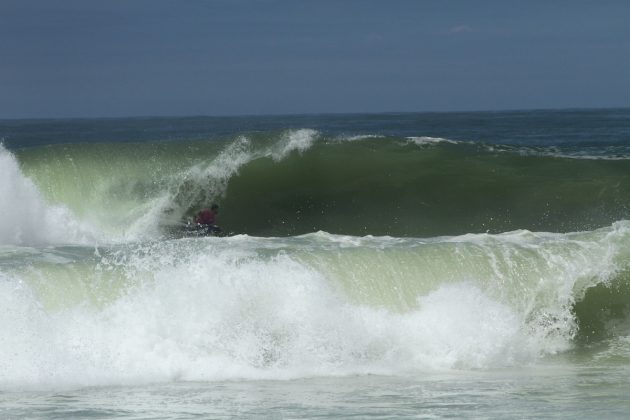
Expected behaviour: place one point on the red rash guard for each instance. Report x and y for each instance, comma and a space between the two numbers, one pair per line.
206, 217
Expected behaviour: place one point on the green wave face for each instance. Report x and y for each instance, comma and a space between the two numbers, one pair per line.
604, 312
387, 188
295, 182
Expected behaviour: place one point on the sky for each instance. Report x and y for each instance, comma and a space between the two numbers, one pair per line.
88, 58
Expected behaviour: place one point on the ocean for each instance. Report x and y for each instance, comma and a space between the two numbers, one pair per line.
392, 265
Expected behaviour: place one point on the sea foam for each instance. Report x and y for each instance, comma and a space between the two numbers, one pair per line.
211, 320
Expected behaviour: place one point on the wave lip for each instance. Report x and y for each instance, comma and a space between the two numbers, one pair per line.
612, 153
294, 140
427, 141
359, 137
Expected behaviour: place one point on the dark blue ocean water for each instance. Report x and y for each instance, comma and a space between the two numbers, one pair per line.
571, 128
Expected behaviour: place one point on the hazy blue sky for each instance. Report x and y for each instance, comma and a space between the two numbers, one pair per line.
205, 57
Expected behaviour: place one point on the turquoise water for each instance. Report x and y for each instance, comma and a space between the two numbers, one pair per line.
397, 265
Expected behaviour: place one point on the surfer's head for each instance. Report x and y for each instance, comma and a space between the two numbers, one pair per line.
214, 207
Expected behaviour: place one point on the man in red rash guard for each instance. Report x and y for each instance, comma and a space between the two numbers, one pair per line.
208, 217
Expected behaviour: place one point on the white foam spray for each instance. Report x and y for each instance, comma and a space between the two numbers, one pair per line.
26, 219
294, 140
248, 308
430, 141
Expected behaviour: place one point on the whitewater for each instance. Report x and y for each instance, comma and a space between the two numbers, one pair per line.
379, 265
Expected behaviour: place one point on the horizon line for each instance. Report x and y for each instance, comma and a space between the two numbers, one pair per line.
314, 114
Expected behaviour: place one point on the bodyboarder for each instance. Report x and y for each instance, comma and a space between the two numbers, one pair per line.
207, 218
